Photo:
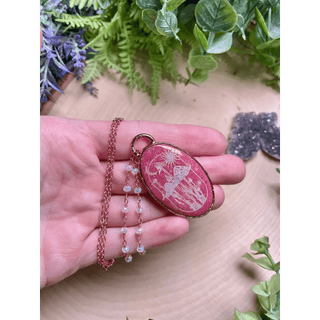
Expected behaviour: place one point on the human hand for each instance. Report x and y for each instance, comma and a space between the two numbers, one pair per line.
73, 167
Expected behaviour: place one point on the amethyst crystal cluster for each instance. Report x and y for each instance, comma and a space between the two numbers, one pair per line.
61, 52
252, 132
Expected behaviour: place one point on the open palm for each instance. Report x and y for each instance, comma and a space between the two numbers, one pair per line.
73, 166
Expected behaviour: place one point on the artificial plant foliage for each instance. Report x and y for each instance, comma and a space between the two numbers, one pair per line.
115, 32
268, 292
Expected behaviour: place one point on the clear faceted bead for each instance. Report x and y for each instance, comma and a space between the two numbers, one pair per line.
125, 210
139, 230
126, 188
125, 249
137, 190
128, 167
135, 171
143, 252
139, 210
140, 248
128, 258
124, 230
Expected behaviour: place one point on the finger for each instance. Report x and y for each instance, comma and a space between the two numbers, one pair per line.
156, 233
151, 209
196, 140
224, 169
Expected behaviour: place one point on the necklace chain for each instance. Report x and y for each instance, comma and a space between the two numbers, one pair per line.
107, 196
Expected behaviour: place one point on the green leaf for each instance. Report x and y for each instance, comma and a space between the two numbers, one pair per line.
272, 3
149, 16
262, 289
272, 47
257, 36
274, 284
167, 24
173, 4
201, 38
215, 15
261, 21
276, 267
274, 312
241, 7
149, 4
196, 51
266, 60
240, 26
262, 262
219, 44
203, 62
199, 75
260, 245
274, 29
264, 301
187, 13
249, 315
82, 4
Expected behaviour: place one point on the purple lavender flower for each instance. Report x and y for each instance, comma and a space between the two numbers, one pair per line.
61, 53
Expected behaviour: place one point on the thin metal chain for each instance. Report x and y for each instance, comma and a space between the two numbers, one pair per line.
107, 196
139, 234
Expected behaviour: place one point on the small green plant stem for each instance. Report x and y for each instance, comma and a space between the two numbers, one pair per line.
268, 255
187, 82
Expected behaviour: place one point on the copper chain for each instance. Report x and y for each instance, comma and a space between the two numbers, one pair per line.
107, 195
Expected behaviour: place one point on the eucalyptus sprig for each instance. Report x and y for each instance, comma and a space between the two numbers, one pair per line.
268, 292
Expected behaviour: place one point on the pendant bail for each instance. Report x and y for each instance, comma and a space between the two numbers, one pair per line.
135, 152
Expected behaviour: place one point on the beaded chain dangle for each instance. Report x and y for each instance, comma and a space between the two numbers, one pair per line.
132, 169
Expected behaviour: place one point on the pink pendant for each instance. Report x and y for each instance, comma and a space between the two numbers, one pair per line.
176, 180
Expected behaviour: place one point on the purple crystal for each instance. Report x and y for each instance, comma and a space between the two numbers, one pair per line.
252, 132
269, 134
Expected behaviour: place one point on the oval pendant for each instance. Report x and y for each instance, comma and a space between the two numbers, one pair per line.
176, 180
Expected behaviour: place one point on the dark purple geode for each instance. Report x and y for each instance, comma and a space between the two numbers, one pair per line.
252, 132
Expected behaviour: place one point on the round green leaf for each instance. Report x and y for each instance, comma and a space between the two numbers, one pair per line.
149, 16
215, 15
167, 24
274, 29
220, 44
203, 62
149, 4
199, 76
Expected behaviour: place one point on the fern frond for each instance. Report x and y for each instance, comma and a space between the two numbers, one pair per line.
126, 54
82, 3
76, 21
157, 62
170, 65
92, 70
